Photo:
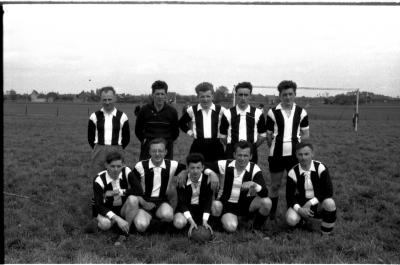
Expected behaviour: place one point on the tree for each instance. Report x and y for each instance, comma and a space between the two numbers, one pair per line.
12, 94
221, 94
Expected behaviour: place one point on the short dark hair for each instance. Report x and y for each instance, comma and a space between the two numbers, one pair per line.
159, 85
194, 158
286, 84
203, 87
158, 141
242, 145
304, 144
106, 89
114, 156
244, 85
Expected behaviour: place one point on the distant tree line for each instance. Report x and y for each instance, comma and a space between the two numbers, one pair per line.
222, 95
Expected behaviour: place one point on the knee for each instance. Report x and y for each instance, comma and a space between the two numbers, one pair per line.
266, 204
141, 224
329, 204
132, 201
292, 218
230, 226
167, 214
103, 223
179, 221
216, 208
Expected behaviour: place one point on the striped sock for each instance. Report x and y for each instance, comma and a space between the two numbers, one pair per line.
328, 221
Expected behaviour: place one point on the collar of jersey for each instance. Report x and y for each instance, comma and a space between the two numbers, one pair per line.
110, 179
151, 165
279, 106
233, 164
114, 112
312, 168
247, 110
189, 181
199, 107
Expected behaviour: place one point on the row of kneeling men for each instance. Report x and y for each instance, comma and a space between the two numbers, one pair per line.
191, 195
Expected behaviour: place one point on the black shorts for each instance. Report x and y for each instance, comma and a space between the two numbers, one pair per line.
240, 208
157, 202
281, 163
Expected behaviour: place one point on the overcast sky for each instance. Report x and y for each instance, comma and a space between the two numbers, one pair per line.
70, 48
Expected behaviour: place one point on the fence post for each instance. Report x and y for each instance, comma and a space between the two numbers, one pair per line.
26, 109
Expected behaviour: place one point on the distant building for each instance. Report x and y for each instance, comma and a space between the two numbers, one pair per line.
35, 97
81, 97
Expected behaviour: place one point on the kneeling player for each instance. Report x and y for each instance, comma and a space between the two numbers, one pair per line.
242, 189
114, 200
194, 199
309, 191
155, 176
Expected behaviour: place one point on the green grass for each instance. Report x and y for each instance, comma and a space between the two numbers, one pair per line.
46, 158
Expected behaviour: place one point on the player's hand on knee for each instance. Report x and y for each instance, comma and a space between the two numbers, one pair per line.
122, 224
306, 212
148, 206
308, 204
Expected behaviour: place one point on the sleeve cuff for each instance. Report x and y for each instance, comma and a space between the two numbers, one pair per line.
296, 207
207, 171
314, 201
263, 135
223, 135
258, 187
187, 214
206, 216
110, 215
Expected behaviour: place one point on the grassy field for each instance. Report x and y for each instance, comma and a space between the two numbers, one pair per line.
46, 158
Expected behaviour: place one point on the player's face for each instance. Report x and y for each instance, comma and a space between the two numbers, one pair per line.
159, 97
114, 168
305, 155
157, 153
205, 98
195, 170
287, 97
242, 157
243, 97
108, 100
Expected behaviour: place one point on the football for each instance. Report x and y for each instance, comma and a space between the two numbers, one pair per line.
201, 235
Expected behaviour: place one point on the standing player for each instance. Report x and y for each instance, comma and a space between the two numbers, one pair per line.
157, 120
114, 202
108, 130
205, 120
155, 175
309, 191
242, 190
286, 124
194, 200
243, 123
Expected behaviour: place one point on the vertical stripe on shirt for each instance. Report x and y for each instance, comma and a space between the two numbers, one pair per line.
285, 129
205, 124
244, 124
108, 127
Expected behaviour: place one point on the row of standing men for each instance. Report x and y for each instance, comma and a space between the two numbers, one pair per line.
215, 131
